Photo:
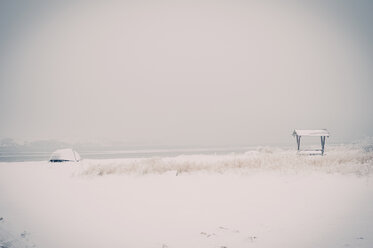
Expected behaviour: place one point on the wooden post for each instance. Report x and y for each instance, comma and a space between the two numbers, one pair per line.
298, 141
322, 145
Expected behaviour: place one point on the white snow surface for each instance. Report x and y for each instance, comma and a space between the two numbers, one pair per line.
264, 198
311, 132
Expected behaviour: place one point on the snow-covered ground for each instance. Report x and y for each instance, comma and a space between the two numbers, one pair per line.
263, 198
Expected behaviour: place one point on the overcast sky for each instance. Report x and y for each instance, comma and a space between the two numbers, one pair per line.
185, 72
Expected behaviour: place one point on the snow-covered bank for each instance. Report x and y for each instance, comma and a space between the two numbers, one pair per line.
266, 205
340, 159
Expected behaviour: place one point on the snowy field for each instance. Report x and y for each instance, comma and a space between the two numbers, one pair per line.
263, 198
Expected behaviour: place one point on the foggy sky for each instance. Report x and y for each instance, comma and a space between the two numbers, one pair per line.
185, 72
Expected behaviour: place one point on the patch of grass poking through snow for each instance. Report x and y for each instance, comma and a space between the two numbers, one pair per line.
10, 239
339, 159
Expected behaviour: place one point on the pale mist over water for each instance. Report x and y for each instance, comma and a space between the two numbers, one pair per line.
183, 75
